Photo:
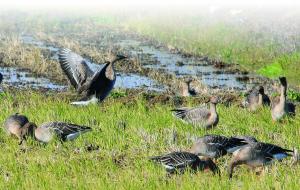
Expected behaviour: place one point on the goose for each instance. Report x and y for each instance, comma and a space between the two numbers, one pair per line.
179, 162
256, 99
280, 106
94, 86
199, 116
64, 131
19, 126
215, 146
257, 154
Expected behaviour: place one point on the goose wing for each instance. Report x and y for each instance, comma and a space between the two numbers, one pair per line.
273, 151
176, 160
74, 66
66, 130
192, 115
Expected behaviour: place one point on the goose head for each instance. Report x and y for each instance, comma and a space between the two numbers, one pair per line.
283, 81
261, 90
214, 100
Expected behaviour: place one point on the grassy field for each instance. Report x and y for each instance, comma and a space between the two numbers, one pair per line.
121, 161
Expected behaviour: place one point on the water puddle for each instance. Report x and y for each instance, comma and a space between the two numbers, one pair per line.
163, 60
24, 79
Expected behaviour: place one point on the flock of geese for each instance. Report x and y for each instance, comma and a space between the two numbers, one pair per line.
95, 87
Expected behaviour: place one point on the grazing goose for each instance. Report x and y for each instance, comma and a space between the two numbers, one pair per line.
1, 77
215, 146
256, 99
94, 86
186, 89
257, 154
64, 131
280, 106
19, 126
179, 162
199, 116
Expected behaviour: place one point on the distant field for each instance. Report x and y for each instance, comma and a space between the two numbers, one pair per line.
258, 47
121, 161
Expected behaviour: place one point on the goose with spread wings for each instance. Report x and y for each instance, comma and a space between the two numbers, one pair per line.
94, 86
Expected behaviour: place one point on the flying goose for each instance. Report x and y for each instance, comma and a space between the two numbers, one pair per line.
257, 154
19, 126
94, 86
215, 146
280, 106
256, 99
64, 131
179, 162
199, 116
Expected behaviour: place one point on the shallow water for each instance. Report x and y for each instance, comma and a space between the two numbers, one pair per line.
162, 59
24, 79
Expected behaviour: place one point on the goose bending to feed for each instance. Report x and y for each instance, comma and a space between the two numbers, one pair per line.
257, 154
94, 86
179, 162
280, 106
19, 126
257, 98
199, 116
64, 131
215, 146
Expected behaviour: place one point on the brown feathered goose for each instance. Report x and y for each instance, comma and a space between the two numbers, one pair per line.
257, 154
280, 106
64, 131
215, 146
199, 116
257, 98
94, 86
19, 126
179, 162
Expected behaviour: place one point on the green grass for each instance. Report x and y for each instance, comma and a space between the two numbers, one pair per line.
121, 162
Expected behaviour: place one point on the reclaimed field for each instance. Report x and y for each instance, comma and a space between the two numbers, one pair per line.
135, 121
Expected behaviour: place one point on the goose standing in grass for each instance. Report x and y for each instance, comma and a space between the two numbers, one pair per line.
179, 162
94, 86
280, 106
64, 131
199, 116
257, 98
215, 146
257, 154
19, 126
